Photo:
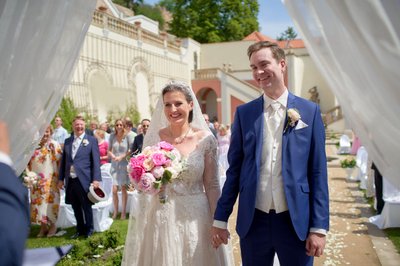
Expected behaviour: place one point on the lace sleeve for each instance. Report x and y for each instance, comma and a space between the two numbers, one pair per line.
210, 175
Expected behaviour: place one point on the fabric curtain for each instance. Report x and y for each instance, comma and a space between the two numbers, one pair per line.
356, 46
39, 43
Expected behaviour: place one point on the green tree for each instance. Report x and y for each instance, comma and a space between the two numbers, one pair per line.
208, 21
125, 3
140, 8
131, 112
67, 112
152, 12
288, 34
131, 4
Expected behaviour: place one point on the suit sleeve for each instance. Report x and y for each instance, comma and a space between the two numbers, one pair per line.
317, 166
231, 186
14, 224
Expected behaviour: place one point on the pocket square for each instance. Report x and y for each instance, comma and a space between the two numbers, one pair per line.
300, 125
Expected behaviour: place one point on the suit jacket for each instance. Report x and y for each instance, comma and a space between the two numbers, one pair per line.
304, 167
86, 162
137, 144
14, 224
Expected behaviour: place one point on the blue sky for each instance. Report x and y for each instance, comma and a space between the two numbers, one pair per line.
272, 17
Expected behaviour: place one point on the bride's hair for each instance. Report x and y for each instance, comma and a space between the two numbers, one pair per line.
184, 89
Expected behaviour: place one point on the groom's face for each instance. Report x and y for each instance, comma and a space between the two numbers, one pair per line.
267, 71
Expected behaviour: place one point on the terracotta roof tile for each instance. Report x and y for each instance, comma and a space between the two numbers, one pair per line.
296, 43
258, 36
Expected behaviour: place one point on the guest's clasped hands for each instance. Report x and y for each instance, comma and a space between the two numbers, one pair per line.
219, 236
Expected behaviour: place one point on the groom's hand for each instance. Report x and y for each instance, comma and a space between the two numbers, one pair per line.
219, 236
315, 244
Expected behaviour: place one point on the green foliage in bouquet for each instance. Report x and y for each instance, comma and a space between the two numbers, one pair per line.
348, 163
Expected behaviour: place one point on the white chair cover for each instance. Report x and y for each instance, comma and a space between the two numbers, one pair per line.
101, 210
132, 200
390, 192
344, 145
362, 165
390, 216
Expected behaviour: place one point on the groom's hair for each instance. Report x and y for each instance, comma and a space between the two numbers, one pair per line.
184, 89
277, 52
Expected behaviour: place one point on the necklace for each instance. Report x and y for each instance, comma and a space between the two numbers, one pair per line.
181, 138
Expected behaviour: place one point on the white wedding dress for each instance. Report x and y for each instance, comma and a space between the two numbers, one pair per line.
177, 233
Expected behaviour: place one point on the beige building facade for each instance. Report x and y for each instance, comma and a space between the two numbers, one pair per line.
125, 61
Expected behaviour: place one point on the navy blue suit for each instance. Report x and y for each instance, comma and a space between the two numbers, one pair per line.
87, 168
304, 172
14, 223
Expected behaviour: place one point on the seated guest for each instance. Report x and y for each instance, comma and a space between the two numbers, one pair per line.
103, 146
45, 196
14, 222
138, 142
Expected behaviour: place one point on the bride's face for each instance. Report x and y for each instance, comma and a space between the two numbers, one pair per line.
176, 107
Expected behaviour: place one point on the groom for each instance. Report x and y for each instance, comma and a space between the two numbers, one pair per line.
277, 164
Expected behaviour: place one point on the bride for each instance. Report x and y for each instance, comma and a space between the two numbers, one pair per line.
177, 233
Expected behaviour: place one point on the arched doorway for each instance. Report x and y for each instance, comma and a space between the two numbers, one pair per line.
208, 102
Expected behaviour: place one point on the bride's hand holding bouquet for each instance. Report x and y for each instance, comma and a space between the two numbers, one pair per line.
155, 167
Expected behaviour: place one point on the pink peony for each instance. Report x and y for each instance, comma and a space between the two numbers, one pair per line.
158, 172
159, 159
137, 161
146, 183
136, 173
165, 146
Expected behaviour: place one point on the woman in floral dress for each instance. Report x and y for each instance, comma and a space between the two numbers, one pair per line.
45, 196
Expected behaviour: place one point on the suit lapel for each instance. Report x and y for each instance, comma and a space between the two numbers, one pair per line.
80, 145
290, 104
258, 127
68, 146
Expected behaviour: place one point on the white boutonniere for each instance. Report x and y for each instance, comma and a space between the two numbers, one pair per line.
85, 142
293, 117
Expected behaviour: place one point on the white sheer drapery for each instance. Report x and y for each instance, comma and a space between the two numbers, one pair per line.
356, 46
39, 43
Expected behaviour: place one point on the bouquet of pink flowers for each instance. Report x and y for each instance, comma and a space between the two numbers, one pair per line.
154, 167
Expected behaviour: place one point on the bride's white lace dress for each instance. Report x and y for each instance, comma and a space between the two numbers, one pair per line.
177, 233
